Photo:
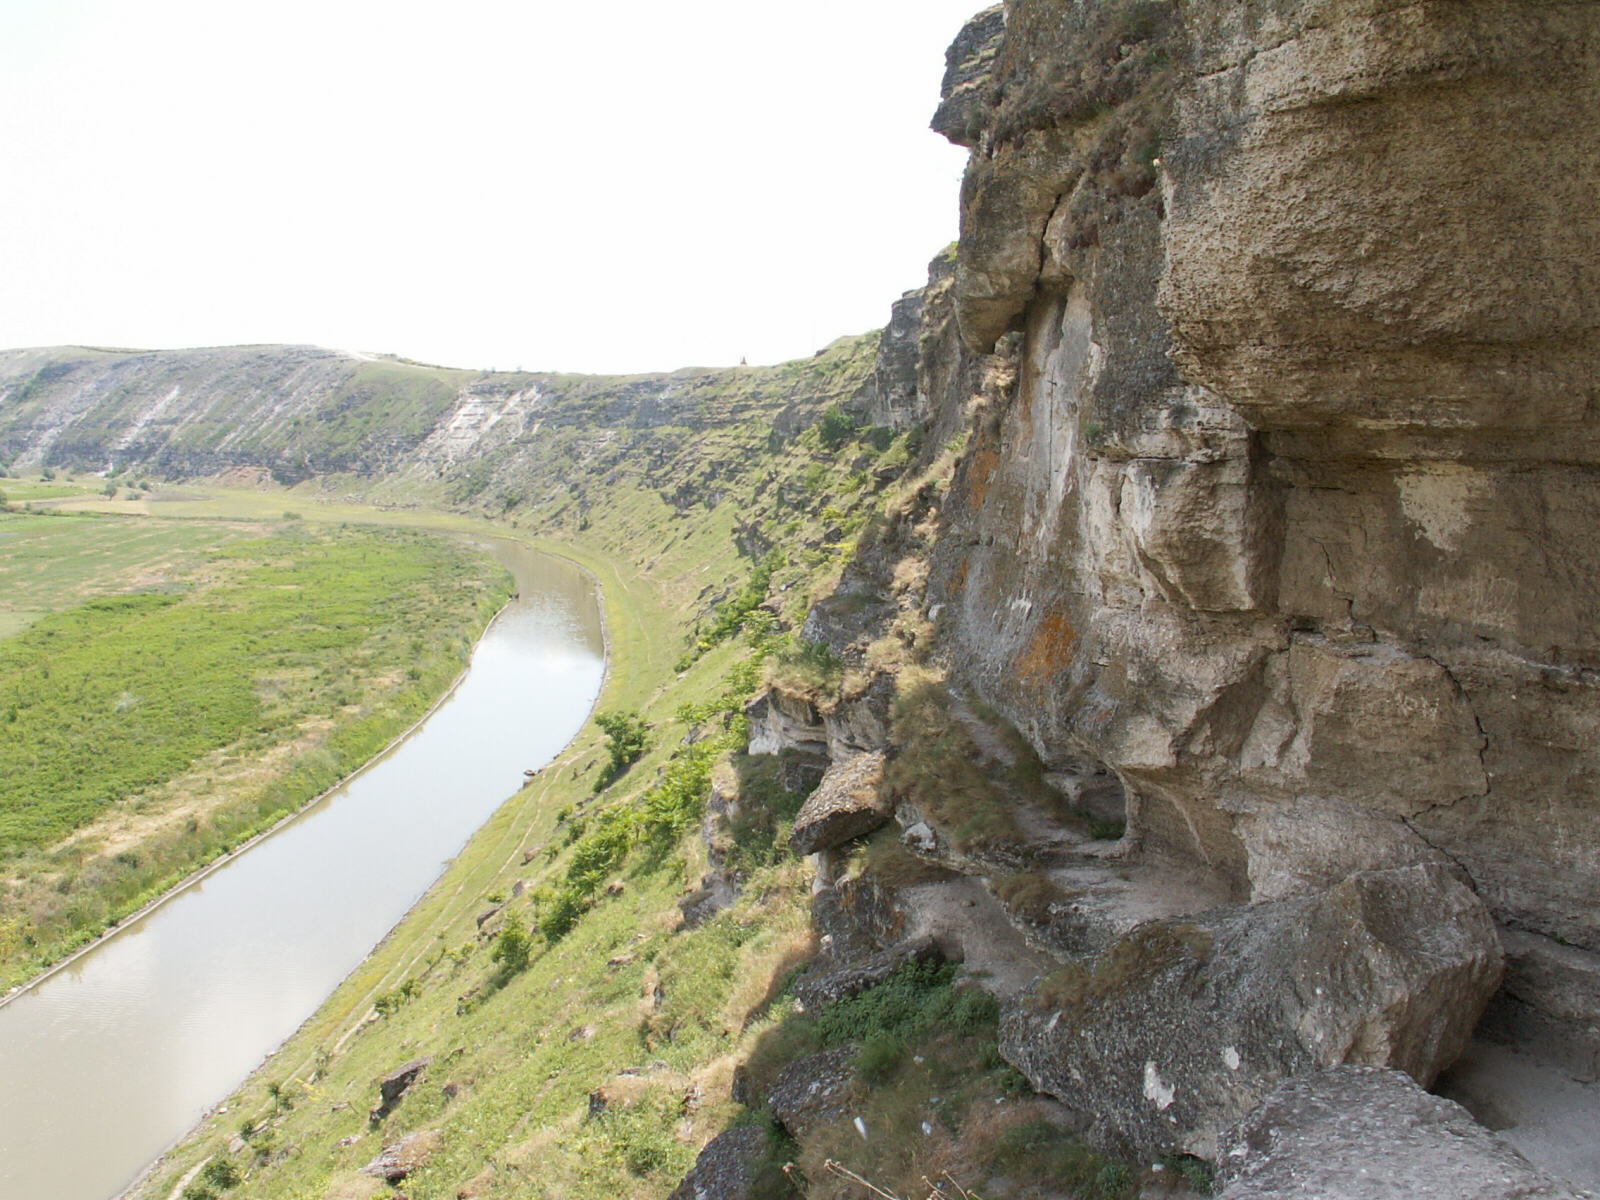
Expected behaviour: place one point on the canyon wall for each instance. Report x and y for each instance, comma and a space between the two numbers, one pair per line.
1288, 518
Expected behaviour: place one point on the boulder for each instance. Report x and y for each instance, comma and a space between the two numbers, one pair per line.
727, 1167
1178, 1029
848, 803
393, 1086
814, 1090
818, 989
1360, 1133
410, 1153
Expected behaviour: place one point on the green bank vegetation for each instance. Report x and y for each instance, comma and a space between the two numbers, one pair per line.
227, 675
583, 1039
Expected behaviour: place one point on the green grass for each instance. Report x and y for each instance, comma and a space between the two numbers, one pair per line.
54, 562
24, 491
618, 1000
167, 712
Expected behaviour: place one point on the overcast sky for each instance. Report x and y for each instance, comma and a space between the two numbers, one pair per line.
590, 187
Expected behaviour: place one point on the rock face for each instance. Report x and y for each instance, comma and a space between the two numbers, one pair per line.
848, 803
1285, 515
1180, 1028
814, 1090
1361, 1134
897, 403
1274, 332
394, 1085
726, 1168
409, 1154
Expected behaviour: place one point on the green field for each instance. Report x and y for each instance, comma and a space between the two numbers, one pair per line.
25, 491
180, 685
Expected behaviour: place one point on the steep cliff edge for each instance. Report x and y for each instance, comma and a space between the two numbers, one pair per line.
1218, 681
1275, 330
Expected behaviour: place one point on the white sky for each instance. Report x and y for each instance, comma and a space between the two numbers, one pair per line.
594, 187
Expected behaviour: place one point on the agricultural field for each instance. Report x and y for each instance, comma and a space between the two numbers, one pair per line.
26, 490
170, 688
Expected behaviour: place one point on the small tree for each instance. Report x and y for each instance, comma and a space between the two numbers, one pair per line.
835, 427
625, 734
511, 949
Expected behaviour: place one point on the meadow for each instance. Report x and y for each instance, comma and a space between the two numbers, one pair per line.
172, 688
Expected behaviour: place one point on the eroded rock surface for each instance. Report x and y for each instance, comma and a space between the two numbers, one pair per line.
848, 803
393, 1086
726, 1169
1282, 508
814, 1090
1181, 1027
1357, 1133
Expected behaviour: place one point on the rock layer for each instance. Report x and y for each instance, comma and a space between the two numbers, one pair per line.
1285, 517
1181, 1027
1362, 1134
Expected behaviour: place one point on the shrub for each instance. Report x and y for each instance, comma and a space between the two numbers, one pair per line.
511, 949
835, 427
625, 734
878, 1057
557, 918
220, 1174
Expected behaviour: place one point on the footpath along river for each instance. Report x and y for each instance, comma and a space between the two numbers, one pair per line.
106, 1062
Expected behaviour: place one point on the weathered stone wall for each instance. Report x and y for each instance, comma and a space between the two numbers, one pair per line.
1288, 515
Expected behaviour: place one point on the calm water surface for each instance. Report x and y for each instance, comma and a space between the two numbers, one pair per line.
111, 1059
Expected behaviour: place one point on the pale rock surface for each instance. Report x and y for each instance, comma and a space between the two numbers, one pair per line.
848, 803
1358, 1133
1276, 329
1177, 1030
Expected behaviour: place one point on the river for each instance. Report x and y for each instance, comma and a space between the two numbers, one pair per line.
109, 1060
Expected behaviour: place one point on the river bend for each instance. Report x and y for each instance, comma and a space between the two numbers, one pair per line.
112, 1058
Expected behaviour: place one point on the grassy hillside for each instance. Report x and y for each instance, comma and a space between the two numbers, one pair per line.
710, 541
586, 1037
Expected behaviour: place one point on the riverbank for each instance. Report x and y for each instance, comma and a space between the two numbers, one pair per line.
137, 1039
643, 641
212, 678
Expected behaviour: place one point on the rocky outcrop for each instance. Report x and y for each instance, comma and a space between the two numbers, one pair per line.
727, 1168
897, 402
1180, 1028
848, 803
1356, 1133
814, 1090
967, 65
393, 1086
779, 722
1281, 516
411, 1153
1268, 536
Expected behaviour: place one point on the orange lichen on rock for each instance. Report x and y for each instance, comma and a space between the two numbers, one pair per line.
1048, 652
985, 462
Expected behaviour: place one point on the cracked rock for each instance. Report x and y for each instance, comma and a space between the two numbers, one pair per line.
848, 803
1358, 1133
1178, 1029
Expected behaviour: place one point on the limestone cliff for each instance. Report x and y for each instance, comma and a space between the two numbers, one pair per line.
1275, 328
1288, 517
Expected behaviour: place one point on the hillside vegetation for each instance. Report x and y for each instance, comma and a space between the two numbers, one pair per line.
583, 1039
216, 677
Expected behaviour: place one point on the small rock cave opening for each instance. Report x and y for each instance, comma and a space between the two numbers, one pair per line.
1095, 792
